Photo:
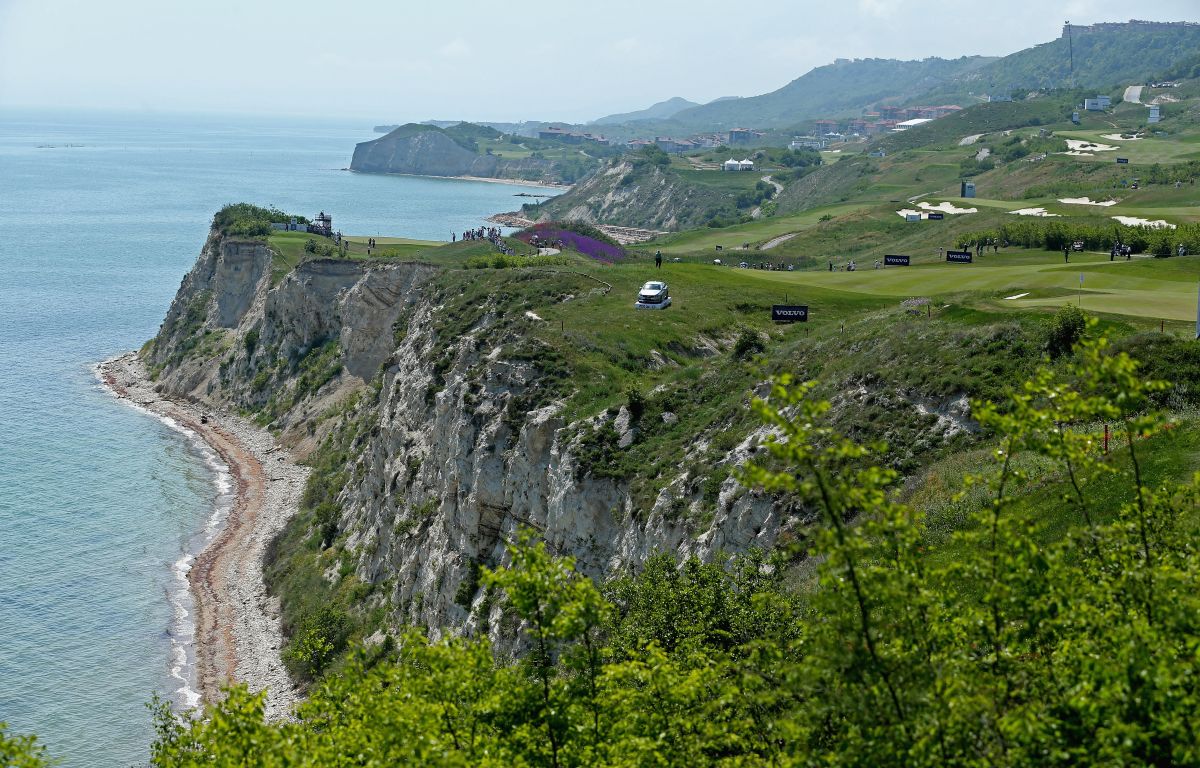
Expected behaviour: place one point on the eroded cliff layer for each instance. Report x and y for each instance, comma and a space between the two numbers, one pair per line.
436, 424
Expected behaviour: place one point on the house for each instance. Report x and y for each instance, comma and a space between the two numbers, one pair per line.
825, 126
638, 143
1155, 115
743, 136
877, 153
995, 97
1097, 104
674, 146
560, 134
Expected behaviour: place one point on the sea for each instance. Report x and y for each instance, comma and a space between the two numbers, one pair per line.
102, 507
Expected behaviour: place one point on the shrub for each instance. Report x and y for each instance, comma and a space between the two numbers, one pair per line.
1065, 331
322, 636
749, 342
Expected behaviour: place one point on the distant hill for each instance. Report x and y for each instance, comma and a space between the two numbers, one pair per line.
663, 110
1106, 56
844, 87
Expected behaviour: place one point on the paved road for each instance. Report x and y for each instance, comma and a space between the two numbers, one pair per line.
1133, 94
969, 140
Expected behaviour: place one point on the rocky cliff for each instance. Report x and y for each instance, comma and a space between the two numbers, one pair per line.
437, 424
433, 153
633, 193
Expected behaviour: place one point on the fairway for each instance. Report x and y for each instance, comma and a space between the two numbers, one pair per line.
1152, 288
752, 232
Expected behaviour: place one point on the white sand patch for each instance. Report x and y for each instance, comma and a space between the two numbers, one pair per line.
1085, 201
946, 208
1136, 221
1089, 146
532, 315
1121, 137
1016, 296
1034, 212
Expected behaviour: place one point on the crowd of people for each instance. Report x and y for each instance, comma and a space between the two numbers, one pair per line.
492, 235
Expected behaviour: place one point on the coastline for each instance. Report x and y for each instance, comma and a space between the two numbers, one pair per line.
559, 188
237, 631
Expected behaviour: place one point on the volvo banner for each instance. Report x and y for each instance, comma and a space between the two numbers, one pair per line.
789, 313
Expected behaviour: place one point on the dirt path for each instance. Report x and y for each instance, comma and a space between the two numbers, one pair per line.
967, 141
774, 241
1133, 94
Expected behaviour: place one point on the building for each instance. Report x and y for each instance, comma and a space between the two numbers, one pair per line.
1155, 115
560, 134
807, 142
1097, 104
997, 97
967, 189
743, 136
675, 146
905, 125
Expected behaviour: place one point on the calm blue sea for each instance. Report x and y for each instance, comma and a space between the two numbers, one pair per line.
100, 217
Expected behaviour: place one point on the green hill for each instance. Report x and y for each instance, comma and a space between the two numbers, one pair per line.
663, 110
842, 88
1106, 56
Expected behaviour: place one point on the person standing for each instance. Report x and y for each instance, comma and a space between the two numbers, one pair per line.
658, 259
1066, 254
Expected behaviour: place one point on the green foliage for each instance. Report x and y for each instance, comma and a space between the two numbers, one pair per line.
1054, 235
1079, 651
501, 261
749, 343
320, 638
21, 751
249, 221
1064, 331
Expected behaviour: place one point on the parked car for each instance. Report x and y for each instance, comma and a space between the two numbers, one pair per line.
654, 295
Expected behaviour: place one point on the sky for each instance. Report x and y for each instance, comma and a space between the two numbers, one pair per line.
400, 61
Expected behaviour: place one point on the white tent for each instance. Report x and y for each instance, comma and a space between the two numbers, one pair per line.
731, 165
746, 165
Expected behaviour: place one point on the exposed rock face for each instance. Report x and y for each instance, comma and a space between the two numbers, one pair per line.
435, 154
647, 197
448, 465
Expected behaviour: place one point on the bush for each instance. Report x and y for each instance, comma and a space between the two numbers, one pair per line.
636, 403
321, 638
749, 343
1065, 331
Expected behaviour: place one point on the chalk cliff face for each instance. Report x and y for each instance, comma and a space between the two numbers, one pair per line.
433, 153
454, 449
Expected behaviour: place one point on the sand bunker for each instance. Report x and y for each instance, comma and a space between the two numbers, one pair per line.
1034, 212
1136, 221
946, 208
1119, 137
1075, 145
1016, 296
1085, 201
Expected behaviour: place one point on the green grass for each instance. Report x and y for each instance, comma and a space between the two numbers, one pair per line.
753, 232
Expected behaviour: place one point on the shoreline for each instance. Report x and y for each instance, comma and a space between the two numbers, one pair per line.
237, 634
560, 188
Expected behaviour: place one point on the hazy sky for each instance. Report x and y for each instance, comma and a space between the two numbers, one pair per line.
399, 60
